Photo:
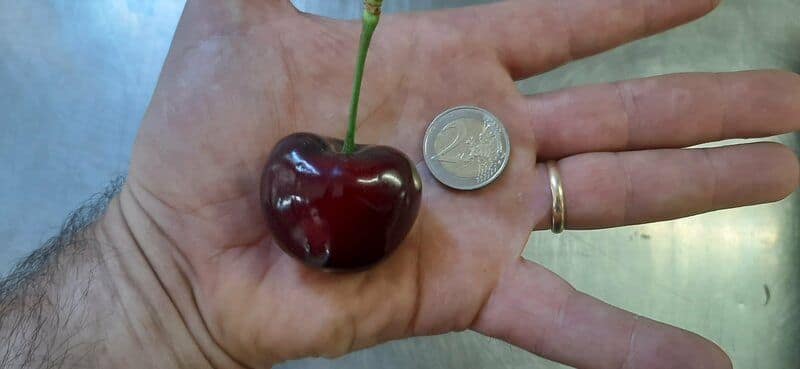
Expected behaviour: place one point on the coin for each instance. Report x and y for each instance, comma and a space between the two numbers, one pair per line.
466, 147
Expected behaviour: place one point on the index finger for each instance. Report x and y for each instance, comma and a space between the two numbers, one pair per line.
533, 36
534, 309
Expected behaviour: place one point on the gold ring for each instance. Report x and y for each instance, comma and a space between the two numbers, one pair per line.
557, 190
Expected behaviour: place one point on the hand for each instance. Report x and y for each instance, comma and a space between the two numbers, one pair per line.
242, 74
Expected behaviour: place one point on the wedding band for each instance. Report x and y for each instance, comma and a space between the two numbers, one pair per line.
557, 190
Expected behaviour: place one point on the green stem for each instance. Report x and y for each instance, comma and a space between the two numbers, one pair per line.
369, 23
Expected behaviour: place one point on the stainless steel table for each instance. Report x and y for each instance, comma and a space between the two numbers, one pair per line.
75, 78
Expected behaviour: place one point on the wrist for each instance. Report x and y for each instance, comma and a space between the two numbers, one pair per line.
154, 310
89, 298
142, 324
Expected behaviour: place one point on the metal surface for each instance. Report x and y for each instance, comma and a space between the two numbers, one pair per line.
75, 77
466, 147
559, 211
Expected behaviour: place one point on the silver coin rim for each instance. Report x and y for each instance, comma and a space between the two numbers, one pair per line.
478, 185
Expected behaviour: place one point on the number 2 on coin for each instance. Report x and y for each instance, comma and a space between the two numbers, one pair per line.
451, 146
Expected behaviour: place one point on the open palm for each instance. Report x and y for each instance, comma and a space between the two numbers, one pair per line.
243, 74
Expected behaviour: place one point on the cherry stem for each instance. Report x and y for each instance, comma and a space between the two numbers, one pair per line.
372, 14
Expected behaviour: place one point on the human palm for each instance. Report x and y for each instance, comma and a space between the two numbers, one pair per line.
242, 75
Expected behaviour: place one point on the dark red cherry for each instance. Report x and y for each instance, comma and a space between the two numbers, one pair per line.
334, 210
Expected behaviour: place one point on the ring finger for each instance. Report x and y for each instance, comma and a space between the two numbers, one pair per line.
614, 189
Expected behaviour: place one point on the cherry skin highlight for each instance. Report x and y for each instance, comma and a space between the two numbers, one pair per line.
338, 211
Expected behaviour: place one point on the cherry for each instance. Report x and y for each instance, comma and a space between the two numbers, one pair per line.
334, 204
335, 210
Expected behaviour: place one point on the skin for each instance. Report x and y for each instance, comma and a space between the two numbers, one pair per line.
242, 74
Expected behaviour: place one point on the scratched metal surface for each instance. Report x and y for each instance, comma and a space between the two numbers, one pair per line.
75, 77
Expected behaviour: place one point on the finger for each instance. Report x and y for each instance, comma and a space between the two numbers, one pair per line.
534, 309
608, 190
534, 36
667, 111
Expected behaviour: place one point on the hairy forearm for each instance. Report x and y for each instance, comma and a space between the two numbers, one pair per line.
89, 298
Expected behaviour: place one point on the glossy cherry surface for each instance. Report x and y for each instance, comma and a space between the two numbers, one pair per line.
334, 210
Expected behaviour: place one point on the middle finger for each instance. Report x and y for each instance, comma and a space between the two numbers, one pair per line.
664, 112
